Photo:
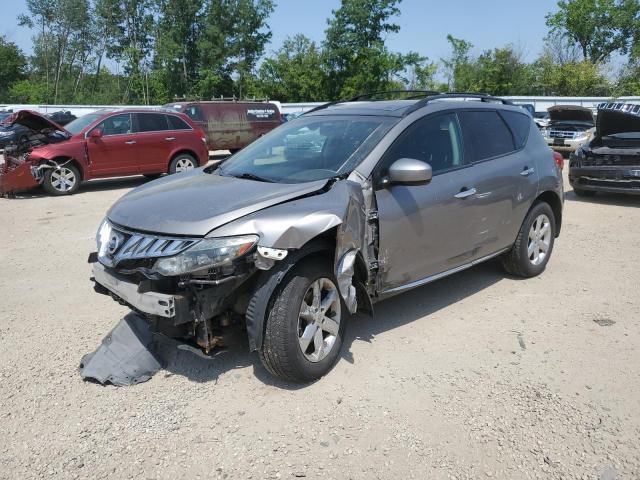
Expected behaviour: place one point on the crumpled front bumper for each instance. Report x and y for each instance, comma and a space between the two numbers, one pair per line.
606, 179
16, 176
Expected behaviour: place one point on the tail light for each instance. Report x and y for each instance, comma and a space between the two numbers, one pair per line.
559, 159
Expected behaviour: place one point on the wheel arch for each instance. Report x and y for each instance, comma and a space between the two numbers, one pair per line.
60, 160
553, 200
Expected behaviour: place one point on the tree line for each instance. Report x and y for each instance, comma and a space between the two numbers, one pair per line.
157, 51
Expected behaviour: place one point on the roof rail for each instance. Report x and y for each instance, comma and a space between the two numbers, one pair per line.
418, 94
365, 96
483, 97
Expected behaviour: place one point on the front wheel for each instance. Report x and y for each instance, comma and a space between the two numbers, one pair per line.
306, 325
63, 180
531, 252
182, 163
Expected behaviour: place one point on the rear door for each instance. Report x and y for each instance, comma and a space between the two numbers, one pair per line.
426, 229
155, 142
506, 180
116, 152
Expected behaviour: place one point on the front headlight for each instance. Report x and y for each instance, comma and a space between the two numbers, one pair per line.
4, 133
210, 252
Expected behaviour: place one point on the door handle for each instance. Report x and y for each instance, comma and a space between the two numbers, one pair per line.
131, 142
465, 193
527, 171
170, 139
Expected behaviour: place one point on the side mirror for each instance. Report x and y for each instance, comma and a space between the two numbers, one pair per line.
95, 134
409, 171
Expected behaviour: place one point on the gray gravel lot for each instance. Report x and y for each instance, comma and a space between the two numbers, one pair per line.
476, 376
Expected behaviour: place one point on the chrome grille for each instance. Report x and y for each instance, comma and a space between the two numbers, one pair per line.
116, 245
562, 134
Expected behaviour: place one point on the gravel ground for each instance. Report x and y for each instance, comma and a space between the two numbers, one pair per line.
476, 376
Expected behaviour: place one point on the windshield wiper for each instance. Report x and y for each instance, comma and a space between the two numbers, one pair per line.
251, 176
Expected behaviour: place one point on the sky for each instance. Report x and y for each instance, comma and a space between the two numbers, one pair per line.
424, 24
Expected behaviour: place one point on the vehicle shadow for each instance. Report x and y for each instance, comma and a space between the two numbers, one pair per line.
90, 186
603, 198
389, 314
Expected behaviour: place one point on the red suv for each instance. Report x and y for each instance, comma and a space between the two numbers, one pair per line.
106, 143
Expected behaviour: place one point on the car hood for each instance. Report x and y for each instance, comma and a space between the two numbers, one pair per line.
196, 202
617, 118
570, 113
32, 120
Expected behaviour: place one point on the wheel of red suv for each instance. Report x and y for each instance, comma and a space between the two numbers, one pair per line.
306, 324
182, 163
61, 181
531, 252
583, 193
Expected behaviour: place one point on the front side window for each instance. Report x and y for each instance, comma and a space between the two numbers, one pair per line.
434, 139
151, 122
486, 133
194, 113
309, 149
80, 123
116, 125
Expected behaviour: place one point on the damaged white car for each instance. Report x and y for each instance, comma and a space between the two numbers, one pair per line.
322, 217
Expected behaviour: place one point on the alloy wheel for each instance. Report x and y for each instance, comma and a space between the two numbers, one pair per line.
539, 239
319, 320
63, 179
184, 165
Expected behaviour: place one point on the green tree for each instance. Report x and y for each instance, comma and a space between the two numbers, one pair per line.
599, 27
458, 66
502, 72
583, 78
12, 66
294, 73
355, 53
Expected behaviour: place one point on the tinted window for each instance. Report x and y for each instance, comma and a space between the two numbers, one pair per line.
82, 122
116, 125
193, 112
486, 133
519, 125
176, 123
151, 122
435, 140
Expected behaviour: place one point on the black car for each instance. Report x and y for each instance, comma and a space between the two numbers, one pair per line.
610, 162
13, 135
62, 117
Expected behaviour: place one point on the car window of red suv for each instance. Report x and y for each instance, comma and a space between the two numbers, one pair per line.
176, 123
116, 125
152, 122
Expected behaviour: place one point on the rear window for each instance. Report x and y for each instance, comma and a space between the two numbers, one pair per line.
262, 113
520, 126
151, 122
176, 123
486, 134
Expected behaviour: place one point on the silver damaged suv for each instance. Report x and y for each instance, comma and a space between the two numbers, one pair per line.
326, 215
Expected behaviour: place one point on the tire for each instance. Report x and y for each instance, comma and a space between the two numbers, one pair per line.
281, 351
524, 259
583, 193
182, 163
64, 180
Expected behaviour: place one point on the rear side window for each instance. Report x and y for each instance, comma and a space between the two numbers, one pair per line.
176, 123
486, 134
519, 124
151, 122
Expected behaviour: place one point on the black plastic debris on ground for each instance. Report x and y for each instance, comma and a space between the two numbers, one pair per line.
126, 356
604, 322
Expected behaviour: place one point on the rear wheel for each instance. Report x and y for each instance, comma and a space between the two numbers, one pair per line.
182, 163
306, 324
583, 193
531, 252
64, 180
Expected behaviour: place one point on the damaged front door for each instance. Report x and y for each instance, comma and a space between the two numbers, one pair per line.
425, 229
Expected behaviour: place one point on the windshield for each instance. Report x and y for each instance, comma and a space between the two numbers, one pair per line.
81, 123
309, 149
